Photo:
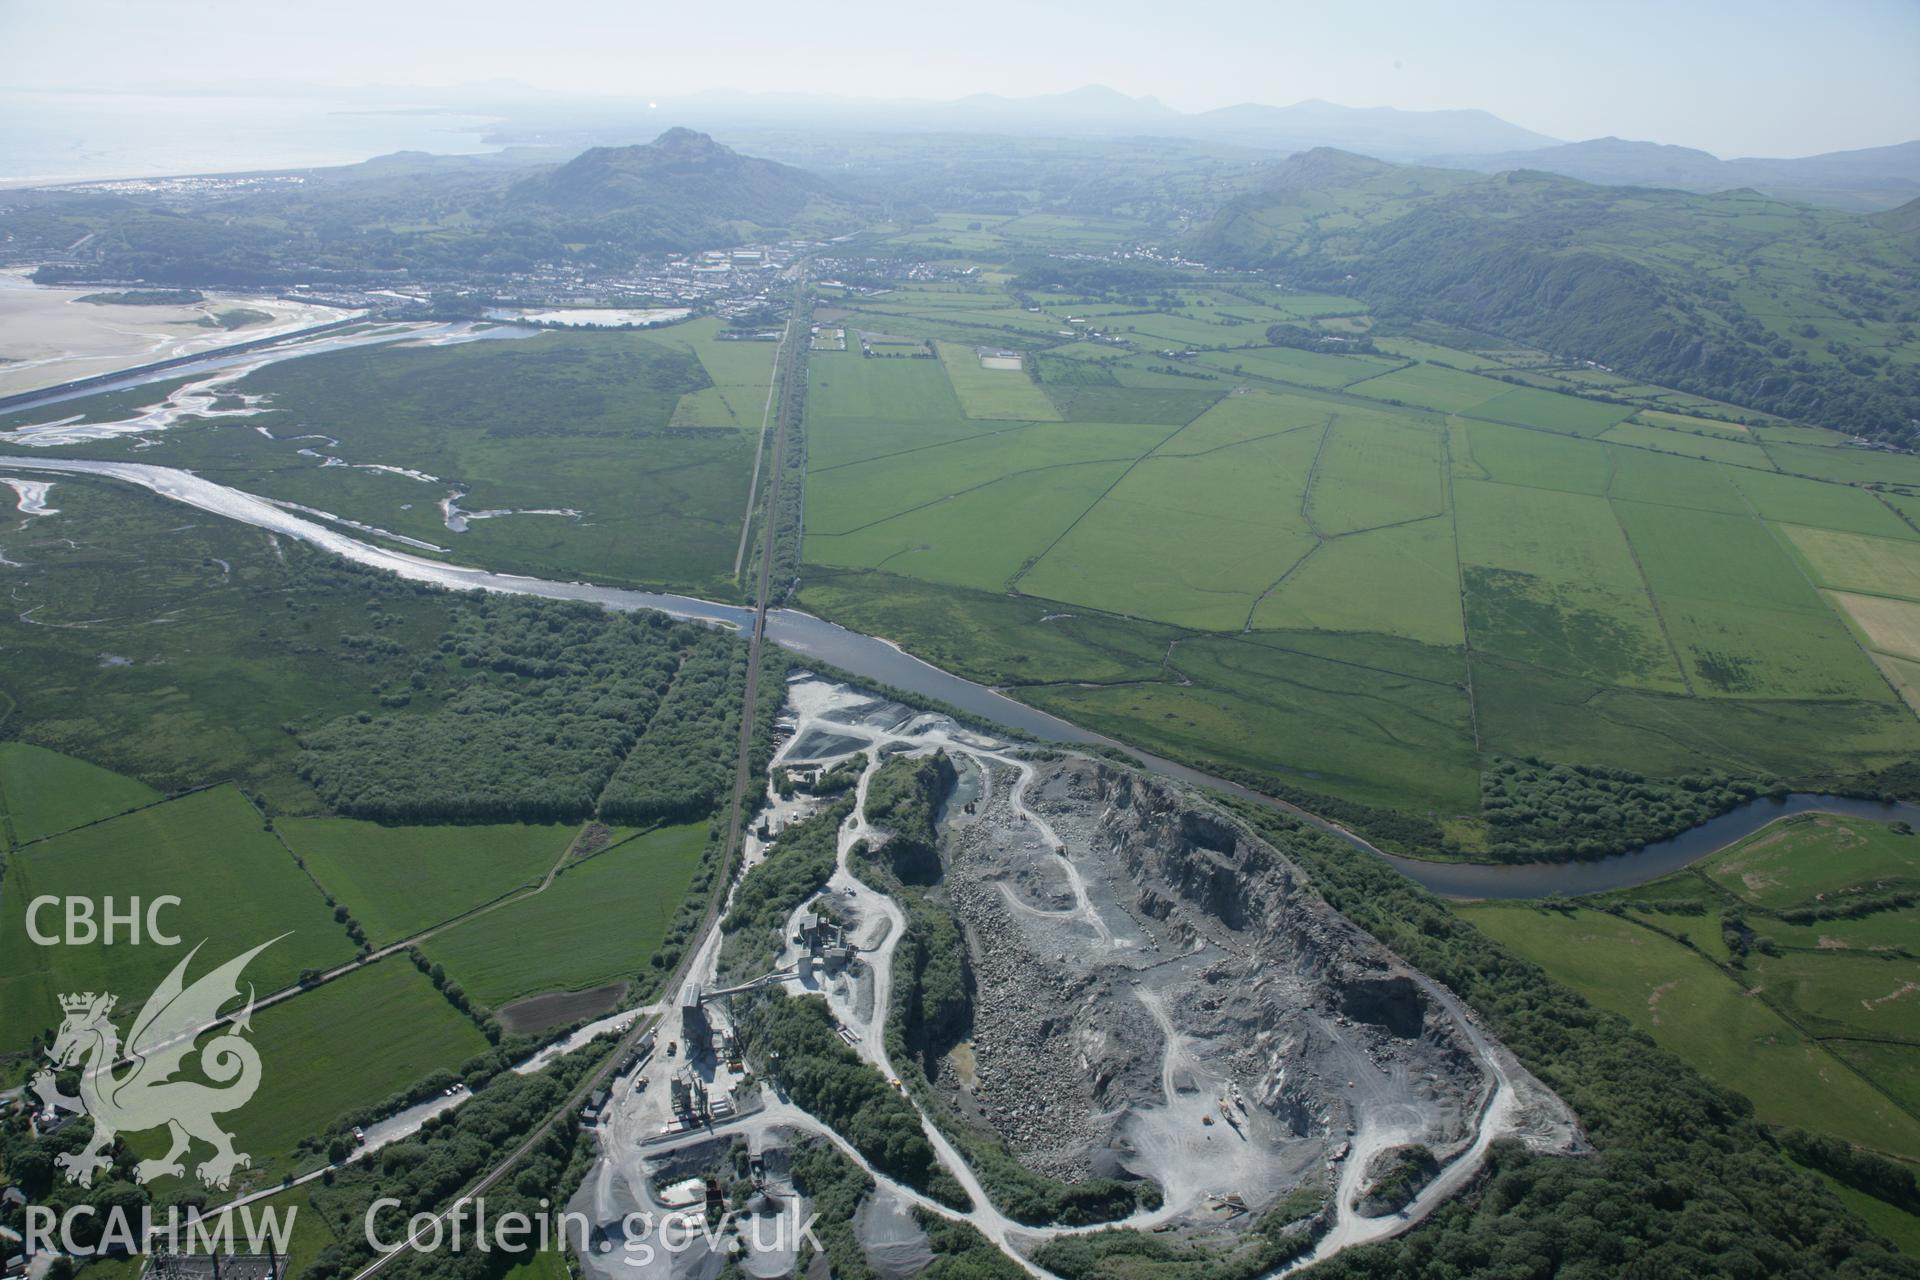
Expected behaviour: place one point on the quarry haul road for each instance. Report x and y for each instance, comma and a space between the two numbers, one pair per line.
1004, 1232
709, 924
881, 924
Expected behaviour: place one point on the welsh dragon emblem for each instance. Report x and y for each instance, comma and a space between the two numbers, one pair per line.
132, 1089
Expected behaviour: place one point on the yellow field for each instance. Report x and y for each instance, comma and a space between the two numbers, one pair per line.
1891, 626
994, 390
1857, 562
1905, 676
1684, 422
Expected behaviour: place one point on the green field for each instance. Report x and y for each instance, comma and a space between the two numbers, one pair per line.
594, 424
346, 1044
598, 922
1551, 580
1400, 580
1669, 480
43, 792
1850, 466
903, 389
1816, 1022
1627, 582
1150, 546
979, 535
238, 888
739, 371
1853, 562
1741, 614
1714, 446
1432, 387
1874, 996
1539, 460
400, 880
1792, 500
1371, 473
1375, 718
1303, 368
994, 393
1690, 1007
1815, 856
1689, 422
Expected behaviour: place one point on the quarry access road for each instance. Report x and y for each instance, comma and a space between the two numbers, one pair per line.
1184, 1191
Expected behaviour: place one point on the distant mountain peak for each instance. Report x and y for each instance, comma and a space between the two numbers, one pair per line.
681, 138
683, 175
1105, 93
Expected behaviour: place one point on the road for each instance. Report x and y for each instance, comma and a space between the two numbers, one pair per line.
759, 451
880, 925
984, 1216
743, 778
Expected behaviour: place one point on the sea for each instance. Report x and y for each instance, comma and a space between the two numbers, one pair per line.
48, 137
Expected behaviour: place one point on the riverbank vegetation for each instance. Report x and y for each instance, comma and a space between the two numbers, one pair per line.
1537, 810
144, 298
611, 457
542, 702
683, 764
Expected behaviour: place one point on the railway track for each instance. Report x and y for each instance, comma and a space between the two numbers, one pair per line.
790, 402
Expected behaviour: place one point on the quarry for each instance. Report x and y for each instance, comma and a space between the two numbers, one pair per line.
1155, 999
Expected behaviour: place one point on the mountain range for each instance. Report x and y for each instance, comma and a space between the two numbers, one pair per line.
1873, 178
1092, 111
804, 127
1734, 295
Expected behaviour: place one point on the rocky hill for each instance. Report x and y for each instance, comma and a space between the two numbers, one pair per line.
1802, 312
682, 190
425, 217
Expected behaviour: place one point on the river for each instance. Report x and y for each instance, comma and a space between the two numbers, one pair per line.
886, 663
883, 662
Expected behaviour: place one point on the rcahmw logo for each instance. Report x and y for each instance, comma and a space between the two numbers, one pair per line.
270, 1230
145, 1094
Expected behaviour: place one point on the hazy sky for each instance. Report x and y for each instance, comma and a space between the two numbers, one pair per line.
1737, 77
